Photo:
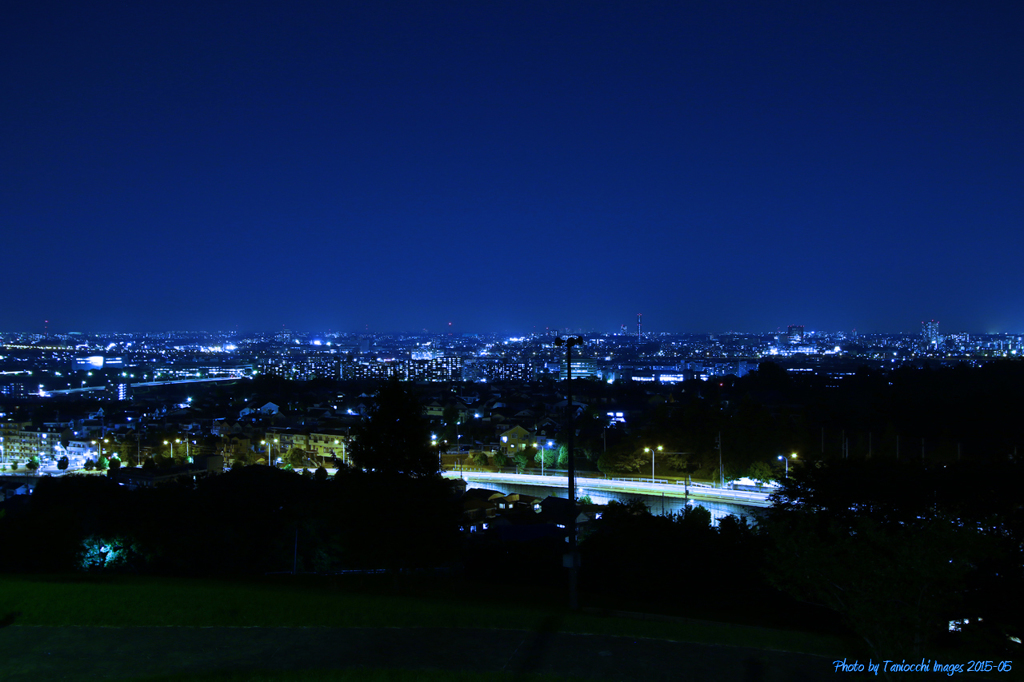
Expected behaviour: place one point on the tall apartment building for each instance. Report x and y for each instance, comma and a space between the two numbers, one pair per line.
433, 370
930, 333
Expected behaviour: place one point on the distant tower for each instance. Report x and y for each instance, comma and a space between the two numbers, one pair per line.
930, 332
639, 327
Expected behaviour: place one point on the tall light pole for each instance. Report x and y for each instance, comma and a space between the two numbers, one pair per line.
721, 472
167, 442
99, 446
652, 450
786, 460
572, 558
542, 451
270, 451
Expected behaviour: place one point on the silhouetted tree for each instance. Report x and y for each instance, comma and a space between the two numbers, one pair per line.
394, 437
877, 544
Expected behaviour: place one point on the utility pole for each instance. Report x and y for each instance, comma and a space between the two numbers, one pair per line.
572, 559
721, 472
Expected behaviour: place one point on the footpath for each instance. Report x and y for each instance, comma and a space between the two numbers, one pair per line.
42, 654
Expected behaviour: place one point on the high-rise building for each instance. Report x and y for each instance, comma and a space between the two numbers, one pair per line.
930, 333
795, 334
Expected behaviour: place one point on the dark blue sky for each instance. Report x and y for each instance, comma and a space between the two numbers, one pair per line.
511, 166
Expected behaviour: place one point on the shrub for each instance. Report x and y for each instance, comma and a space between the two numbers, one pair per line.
110, 554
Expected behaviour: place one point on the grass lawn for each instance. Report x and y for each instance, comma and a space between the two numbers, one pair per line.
286, 601
354, 676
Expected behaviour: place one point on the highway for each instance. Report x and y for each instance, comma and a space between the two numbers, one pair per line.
655, 487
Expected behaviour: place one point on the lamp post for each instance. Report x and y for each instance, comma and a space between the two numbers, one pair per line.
270, 451
572, 558
721, 471
188, 456
652, 450
542, 451
784, 459
99, 448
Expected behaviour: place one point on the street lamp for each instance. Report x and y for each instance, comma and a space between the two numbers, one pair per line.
188, 457
99, 447
167, 442
572, 557
270, 451
550, 443
651, 450
787, 463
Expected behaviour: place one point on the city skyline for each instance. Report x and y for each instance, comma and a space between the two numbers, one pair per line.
46, 330
511, 168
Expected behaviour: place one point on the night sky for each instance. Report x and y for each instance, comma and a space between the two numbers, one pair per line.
512, 166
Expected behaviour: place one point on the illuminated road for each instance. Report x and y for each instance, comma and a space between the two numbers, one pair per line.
693, 491
175, 382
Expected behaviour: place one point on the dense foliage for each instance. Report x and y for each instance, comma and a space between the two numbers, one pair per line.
250, 520
394, 437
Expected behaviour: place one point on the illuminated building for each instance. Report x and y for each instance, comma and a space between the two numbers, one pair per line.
580, 370
434, 370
